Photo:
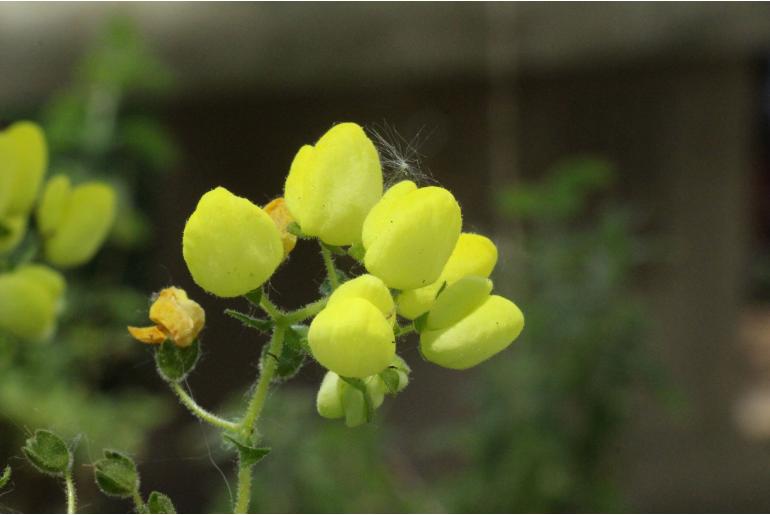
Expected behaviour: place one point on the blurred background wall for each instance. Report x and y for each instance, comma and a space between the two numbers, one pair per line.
674, 95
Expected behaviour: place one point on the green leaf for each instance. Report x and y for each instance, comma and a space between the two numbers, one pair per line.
116, 474
248, 454
262, 325
326, 288
6, 476
174, 363
420, 322
160, 503
391, 379
293, 354
254, 296
48, 453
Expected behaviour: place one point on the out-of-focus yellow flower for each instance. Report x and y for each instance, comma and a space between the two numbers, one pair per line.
12, 232
410, 234
23, 160
332, 186
176, 317
280, 214
230, 245
74, 221
352, 337
367, 287
462, 334
473, 255
30, 298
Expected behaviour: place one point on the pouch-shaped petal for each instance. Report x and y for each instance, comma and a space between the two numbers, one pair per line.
352, 338
230, 245
27, 308
480, 335
473, 255
366, 287
53, 204
458, 300
23, 160
51, 280
409, 236
332, 186
85, 222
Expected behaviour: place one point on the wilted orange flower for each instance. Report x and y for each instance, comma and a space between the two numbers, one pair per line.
176, 317
278, 211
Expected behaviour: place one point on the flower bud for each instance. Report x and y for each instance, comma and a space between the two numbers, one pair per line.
337, 399
332, 186
482, 333
177, 318
48, 453
12, 231
279, 213
473, 255
30, 298
409, 235
23, 160
74, 222
370, 288
231, 246
352, 338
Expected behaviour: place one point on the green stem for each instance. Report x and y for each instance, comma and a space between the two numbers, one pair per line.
270, 308
72, 496
306, 312
243, 498
201, 412
139, 505
257, 402
326, 254
401, 331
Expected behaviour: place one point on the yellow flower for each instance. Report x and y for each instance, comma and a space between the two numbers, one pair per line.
23, 160
30, 298
278, 211
410, 234
332, 186
467, 326
176, 317
230, 245
74, 221
473, 255
367, 287
352, 337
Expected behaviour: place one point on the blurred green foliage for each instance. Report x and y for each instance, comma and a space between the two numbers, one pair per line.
69, 384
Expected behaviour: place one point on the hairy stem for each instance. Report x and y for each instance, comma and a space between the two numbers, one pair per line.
305, 312
139, 505
401, 331
326, 254
201, 412
72, 497
243, 495
267, 367
270, 308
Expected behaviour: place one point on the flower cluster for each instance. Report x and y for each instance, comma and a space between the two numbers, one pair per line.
421, 267
72, 222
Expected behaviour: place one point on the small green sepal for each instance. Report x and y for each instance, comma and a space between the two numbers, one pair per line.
160, 503
48, 453
262, 325
248, 454
174, 363
116, 475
